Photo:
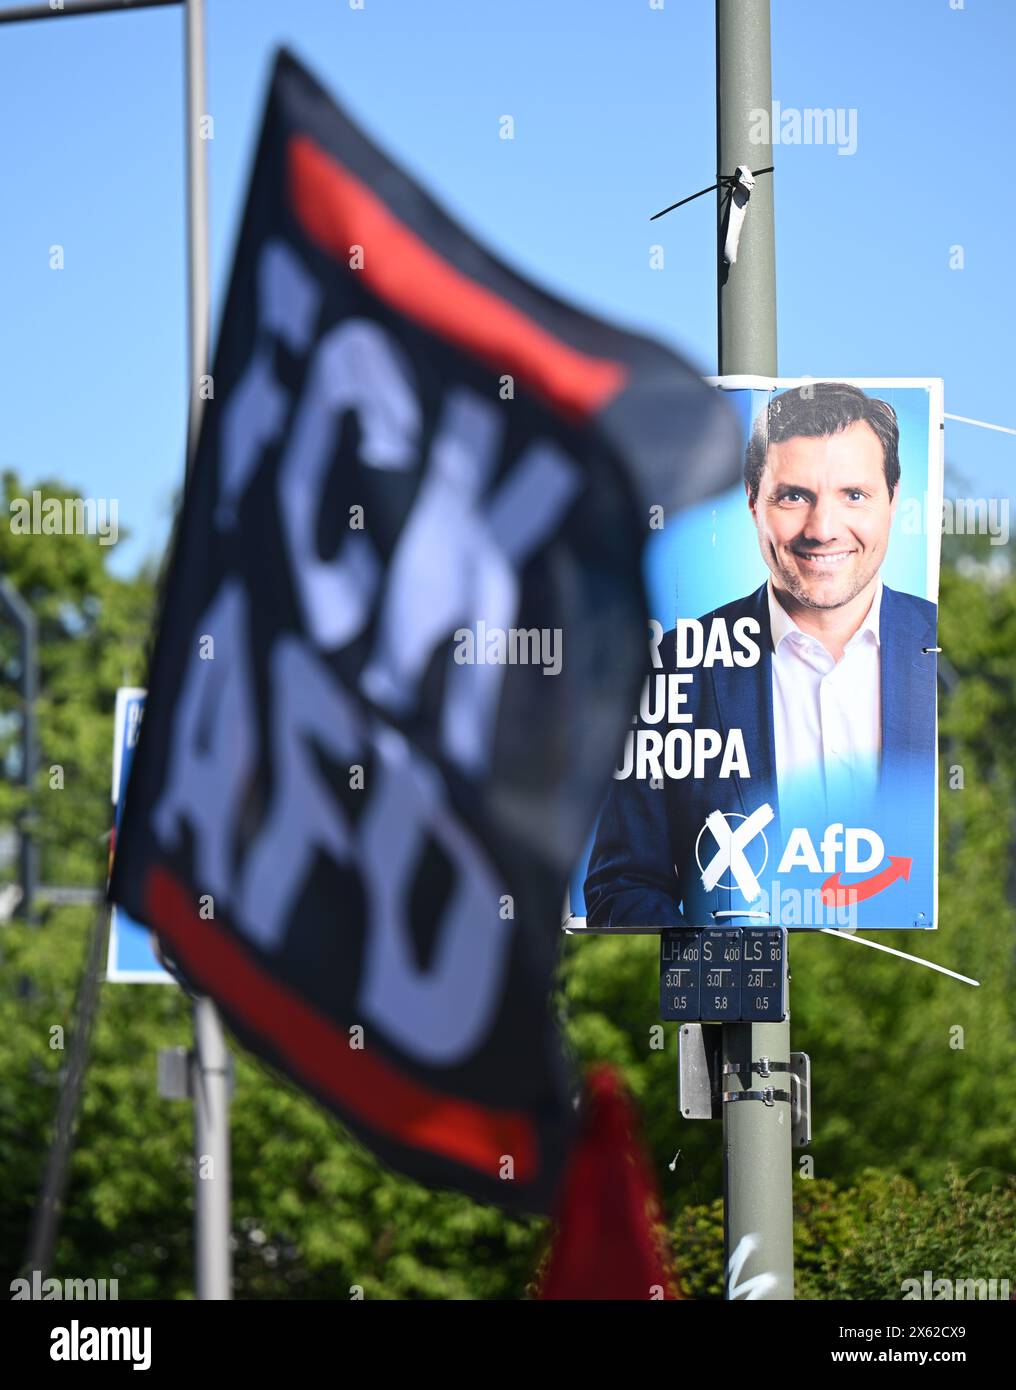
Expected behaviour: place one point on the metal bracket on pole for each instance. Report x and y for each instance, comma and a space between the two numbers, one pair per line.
699, 1071
800, 1099
763, 1067
769, 1095
174, 1073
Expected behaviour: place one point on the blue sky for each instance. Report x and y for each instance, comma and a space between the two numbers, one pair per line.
613, 105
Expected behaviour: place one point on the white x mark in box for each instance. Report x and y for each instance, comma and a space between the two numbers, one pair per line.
730, 854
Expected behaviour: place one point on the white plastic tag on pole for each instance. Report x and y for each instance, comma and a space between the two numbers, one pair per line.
739, 196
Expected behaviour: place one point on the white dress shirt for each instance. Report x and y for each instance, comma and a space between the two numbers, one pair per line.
826, 716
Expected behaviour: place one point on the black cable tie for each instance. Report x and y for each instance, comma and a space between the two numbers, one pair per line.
690, 199
723, 179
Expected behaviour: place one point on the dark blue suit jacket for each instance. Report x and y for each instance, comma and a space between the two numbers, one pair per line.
643, 870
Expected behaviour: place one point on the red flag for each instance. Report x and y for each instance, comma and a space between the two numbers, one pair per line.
609, 1241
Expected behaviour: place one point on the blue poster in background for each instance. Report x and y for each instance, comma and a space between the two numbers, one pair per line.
130, 959
782, 767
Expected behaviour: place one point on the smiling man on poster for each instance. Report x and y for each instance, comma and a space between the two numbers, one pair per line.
818, 687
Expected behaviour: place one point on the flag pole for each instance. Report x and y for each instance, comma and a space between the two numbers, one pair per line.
198, 295
209, 1066
757, 1177
209, 1079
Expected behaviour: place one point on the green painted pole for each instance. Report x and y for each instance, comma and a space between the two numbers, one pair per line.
758, 1207
746, 290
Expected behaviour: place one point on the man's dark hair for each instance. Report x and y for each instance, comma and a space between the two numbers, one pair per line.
818, 409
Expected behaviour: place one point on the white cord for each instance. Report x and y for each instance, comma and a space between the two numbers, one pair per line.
984, 424
877, 946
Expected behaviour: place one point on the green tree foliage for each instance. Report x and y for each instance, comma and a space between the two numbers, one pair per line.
864, 1241
907, 1063
912, 1070
314, 1215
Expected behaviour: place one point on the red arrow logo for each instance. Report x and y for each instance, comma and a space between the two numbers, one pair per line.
837, 894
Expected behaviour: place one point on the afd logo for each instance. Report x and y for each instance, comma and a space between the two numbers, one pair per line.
862, 850
741, 850
844, 851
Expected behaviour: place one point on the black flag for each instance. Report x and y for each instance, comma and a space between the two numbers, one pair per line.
403, 631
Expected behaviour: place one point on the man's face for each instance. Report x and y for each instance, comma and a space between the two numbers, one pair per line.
823, 514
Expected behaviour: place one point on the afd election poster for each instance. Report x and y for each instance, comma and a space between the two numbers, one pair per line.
781, 769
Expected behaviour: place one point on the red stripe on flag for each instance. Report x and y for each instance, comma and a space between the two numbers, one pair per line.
379, 1095
338, 212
